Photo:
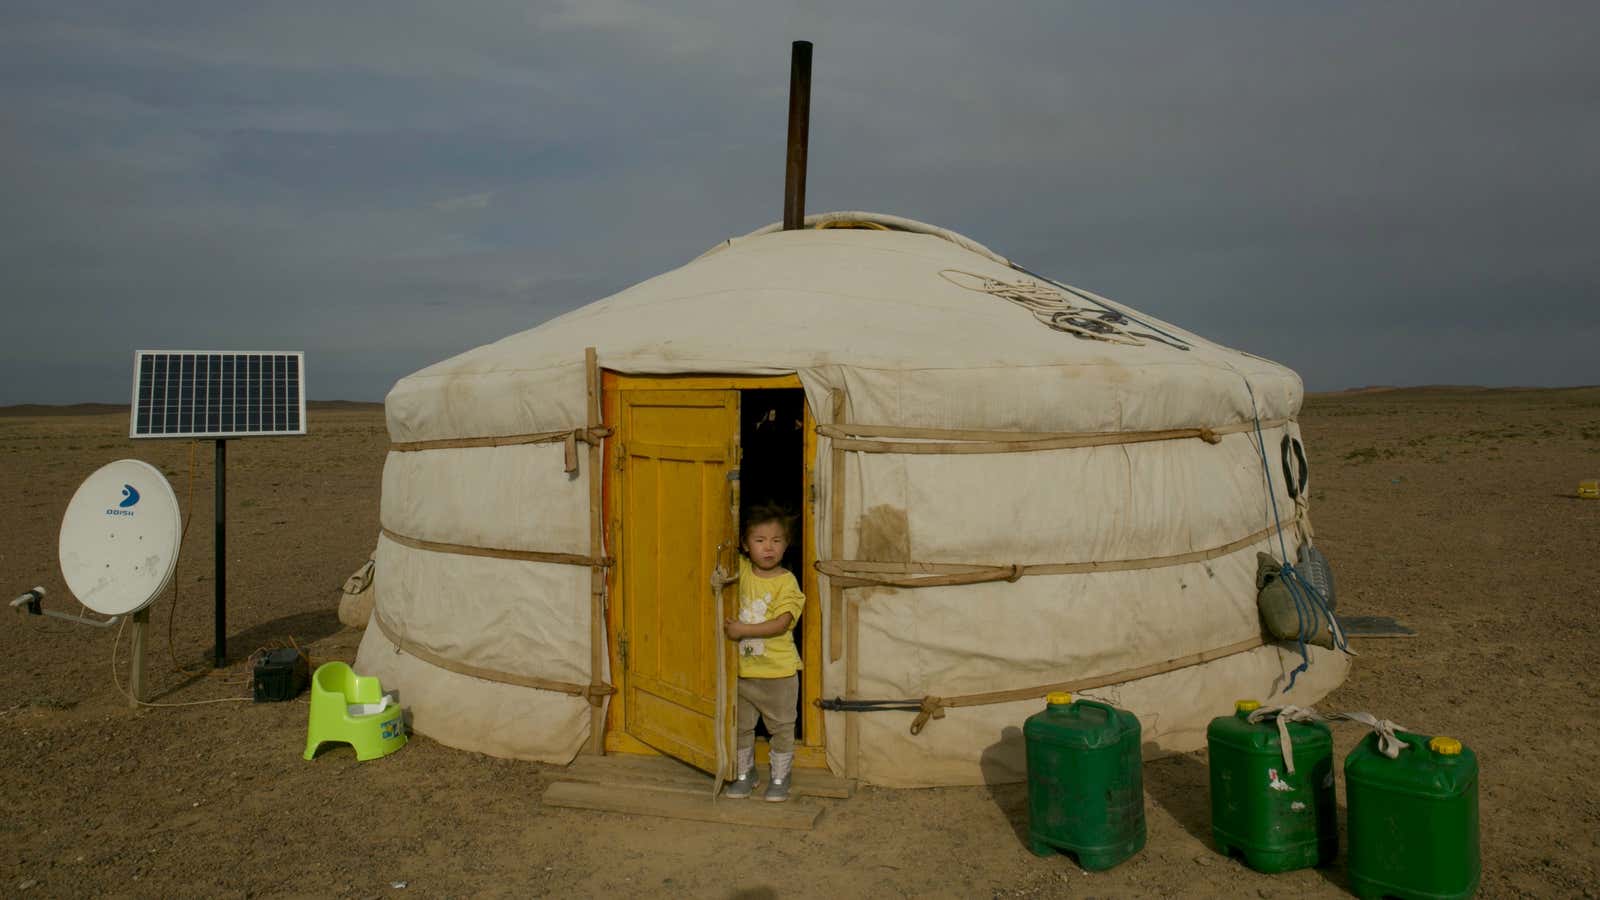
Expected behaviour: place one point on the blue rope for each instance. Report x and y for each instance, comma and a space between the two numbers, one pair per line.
1310, 607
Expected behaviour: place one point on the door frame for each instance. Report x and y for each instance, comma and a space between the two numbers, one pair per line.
811, 750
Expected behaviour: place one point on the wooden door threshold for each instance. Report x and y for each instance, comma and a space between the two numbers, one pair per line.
664, 771
805, 757
674, 802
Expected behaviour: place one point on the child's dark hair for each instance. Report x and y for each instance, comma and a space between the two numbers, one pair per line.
763, 513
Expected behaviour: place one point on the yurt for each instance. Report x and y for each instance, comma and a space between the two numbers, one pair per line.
1005, 486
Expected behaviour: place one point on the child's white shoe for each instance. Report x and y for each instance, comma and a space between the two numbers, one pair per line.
745, 784
778, 786
741, 787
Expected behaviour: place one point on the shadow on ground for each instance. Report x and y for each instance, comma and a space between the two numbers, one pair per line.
303, 629
1180, 784
1005, 772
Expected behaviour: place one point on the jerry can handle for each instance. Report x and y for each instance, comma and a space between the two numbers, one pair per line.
1414, 741
1106, 708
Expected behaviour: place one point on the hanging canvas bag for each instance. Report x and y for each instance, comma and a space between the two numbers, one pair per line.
1283, 616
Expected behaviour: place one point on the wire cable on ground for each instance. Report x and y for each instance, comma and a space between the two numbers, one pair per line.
117, 641
172, 617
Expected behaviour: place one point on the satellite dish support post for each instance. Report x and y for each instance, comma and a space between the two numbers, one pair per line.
141, 624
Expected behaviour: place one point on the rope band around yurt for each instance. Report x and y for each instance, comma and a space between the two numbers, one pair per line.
861, 573
842, 574
933, 706
591, 435
874, 439
845, 437
594, 693
902, 439
571, 559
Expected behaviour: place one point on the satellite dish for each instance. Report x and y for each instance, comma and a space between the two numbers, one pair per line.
119, 538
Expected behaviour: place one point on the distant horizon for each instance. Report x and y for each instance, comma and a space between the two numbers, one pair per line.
89, 407
386, 191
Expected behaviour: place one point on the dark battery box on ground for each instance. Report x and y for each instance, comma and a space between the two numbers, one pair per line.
280, 675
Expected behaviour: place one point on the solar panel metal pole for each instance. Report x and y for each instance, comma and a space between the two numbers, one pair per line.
222, 554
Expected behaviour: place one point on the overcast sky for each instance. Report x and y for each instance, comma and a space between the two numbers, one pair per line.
1383, 193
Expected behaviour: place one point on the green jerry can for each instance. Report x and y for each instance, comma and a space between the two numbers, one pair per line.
1413, 820
1275, 819
1085, 782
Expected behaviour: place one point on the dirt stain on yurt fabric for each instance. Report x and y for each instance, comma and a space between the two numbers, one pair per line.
883, 534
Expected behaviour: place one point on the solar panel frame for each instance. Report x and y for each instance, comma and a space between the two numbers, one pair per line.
218, 394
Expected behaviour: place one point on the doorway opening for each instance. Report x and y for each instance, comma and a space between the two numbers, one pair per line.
668, 476
772, 471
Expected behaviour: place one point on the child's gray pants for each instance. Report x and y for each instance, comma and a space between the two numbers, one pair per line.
775, 700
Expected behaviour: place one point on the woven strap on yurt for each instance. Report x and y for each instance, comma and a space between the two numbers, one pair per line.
597, 545
859, 573
933, 707
571, 559
591, 435
585, 435
594, 693
903, 439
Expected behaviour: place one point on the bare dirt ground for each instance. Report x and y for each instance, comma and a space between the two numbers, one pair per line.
1453, 510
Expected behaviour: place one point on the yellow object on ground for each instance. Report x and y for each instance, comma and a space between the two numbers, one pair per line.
1445, 746
335, 689
1590, 489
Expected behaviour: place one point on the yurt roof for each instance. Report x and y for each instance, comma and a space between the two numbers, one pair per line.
887, 295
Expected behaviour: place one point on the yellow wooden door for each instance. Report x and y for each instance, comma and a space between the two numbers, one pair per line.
680, 453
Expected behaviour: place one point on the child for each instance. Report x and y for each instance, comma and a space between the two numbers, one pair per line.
770, 603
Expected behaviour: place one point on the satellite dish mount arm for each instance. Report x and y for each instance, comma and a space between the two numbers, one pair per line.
30, 604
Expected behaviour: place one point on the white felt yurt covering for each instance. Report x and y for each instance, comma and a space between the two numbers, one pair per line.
1097, 480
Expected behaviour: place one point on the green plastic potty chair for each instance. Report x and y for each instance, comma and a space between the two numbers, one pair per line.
338, 696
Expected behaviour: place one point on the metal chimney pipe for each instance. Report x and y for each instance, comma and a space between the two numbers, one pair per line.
794, 185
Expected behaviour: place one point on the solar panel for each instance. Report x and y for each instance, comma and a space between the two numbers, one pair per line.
217, 394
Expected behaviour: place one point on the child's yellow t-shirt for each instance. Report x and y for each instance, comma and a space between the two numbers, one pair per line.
761, 600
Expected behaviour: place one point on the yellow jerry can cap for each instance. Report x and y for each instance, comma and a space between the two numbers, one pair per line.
1058, 698
1244, 706
1445, 746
